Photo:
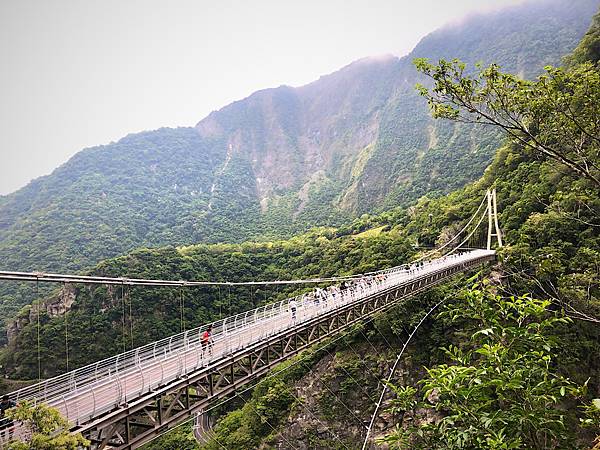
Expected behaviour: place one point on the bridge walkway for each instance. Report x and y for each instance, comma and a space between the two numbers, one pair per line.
125, 400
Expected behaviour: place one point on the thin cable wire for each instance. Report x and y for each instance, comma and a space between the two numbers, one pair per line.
382, 335
220, 304
130, 316
229, 298
39, 353
372, 346
360, 386
124, 339
456, 235
214, 438
307, 409
471, 234
358, 419
183, 309
66, 333
385, 386
367, 339
362, 361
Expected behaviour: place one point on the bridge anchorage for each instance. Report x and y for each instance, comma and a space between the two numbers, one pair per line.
129, 399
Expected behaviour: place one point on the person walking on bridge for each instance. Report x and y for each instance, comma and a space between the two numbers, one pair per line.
293, 307
5, 422
207, 341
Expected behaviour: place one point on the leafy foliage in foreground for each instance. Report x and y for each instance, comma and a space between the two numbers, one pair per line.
556, 115
500, 388
547, 182
49, 430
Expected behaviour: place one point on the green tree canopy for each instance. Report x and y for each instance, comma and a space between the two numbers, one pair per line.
49, 430
556, 115
500, 388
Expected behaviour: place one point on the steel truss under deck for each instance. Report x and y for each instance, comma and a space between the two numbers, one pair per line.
137, 422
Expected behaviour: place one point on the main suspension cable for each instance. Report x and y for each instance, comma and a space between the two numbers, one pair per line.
130, 297
430, 252
124, 338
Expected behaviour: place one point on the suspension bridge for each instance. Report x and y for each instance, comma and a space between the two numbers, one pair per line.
129, 399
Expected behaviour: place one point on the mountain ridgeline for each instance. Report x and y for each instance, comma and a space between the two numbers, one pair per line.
280, 161
535, 378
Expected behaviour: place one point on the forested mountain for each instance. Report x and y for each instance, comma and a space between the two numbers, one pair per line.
494, 369
279, 161
550, 215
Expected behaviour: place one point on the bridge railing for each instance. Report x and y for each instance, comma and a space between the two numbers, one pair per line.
108, 374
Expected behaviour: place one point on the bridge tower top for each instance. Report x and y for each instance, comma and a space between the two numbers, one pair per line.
493, 227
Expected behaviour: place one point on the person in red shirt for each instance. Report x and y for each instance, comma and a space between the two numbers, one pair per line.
207, 341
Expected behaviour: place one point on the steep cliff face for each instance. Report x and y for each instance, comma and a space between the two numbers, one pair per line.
54, 306
338, 396
361, 138
336, 399
281, 160
294, 138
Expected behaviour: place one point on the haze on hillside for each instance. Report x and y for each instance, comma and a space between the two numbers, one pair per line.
83, 74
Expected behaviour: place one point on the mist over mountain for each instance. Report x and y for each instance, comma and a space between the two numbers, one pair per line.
281, 160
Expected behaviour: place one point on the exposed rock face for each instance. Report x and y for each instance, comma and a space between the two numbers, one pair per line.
287, 135
53, 306
337, 397
15, 326
62, 302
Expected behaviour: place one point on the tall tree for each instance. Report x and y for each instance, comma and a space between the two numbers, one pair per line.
500, 388
556, 115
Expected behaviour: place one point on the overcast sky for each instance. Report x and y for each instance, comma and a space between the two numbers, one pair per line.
79, 73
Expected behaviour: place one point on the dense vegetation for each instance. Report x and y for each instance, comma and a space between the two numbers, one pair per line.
276, 163
504, 370
506, 387
500, 387
48, 430
513, 366
95, 319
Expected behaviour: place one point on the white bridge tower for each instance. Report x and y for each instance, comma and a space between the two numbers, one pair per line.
493, 227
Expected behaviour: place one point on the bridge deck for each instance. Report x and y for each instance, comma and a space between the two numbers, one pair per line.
87, 394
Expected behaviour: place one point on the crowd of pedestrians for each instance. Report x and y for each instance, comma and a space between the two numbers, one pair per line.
353, 289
